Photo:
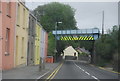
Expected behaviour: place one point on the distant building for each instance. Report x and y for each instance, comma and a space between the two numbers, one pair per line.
7, 34
70, 52
31, 39
21, 35
82, 50
84, 54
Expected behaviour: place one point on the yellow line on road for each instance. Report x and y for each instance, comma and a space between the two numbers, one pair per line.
106, 69
54, 72
57, 71
109, 70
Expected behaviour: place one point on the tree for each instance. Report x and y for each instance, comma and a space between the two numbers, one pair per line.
119, 48
107, 47
51, 13
51, 44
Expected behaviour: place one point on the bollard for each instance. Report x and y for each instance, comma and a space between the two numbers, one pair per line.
41, 64
40, 68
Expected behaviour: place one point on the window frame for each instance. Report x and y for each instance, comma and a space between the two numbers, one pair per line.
8, 9
7, 38
24, 12
18, 15
0, 6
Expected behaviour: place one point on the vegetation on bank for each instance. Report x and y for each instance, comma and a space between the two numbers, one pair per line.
106, 49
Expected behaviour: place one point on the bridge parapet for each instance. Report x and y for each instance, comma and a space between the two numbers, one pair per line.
81, 34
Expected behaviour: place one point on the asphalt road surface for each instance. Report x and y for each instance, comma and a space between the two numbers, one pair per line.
80, 70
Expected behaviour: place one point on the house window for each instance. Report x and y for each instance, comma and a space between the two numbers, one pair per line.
8, 8
18, 15
7, 41
0, 6
23, 18
22, 48
29, 26
17, 45
32, 27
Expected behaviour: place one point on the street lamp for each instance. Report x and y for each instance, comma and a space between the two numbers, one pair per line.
56, 24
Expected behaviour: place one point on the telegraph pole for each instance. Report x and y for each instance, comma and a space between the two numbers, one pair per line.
103, 23
94, 55
56, 25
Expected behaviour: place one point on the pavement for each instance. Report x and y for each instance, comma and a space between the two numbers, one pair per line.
81, 70
28, 72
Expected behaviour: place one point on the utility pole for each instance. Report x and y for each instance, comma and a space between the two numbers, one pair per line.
103, 23
94, 55
56, 25
55, 35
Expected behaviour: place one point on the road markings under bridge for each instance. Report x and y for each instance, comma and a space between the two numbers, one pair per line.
86, 72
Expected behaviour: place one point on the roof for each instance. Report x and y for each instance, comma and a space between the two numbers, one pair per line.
82, 50
70, 47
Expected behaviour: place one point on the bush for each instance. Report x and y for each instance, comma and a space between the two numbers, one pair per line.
101, 63
106, 46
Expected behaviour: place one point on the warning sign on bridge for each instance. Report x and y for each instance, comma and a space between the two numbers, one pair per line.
82, 34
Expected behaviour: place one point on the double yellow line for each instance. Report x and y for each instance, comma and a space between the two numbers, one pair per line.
106, 69
52, 75
109, 70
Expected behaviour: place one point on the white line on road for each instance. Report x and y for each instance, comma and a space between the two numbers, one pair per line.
95, 77
82, 69
87, 73
43, 75
78, 66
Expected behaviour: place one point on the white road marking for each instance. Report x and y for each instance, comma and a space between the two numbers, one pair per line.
95, 77
78, 66
43, 75
82, 69
87, 73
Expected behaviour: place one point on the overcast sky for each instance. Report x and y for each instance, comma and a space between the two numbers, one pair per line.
89, 14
